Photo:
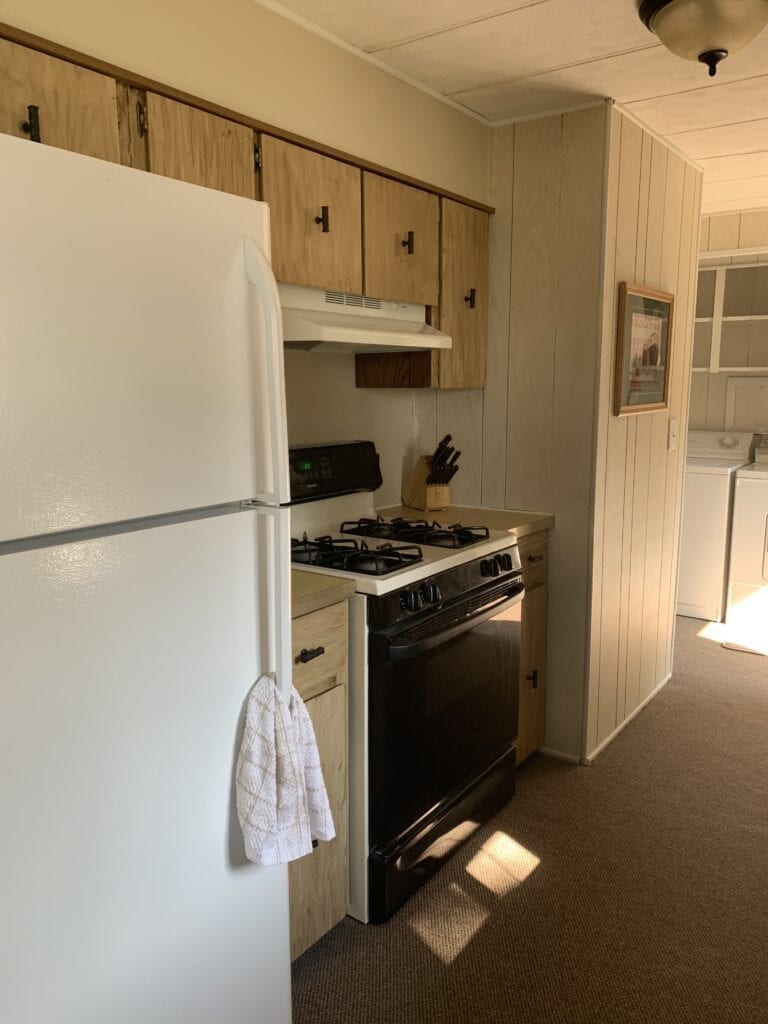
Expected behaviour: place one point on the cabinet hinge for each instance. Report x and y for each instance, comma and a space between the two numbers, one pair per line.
141, 119
256, 156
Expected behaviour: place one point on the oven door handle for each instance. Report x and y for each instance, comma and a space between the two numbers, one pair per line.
413, 648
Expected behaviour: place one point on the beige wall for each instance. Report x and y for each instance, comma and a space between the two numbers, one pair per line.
324, 405
245, 57
652, 223
731, 233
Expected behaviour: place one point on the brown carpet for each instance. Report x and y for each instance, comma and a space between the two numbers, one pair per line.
635, 890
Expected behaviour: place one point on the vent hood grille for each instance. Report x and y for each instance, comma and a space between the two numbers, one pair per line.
321, 321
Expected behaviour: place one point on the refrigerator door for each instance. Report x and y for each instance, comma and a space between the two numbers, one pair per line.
141, 362
126, 895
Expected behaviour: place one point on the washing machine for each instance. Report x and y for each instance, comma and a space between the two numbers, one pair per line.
747, 613
712, 461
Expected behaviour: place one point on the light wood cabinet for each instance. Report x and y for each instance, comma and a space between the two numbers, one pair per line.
57, 103
318, 882
533, 655
463, 295
462, 313
316, 213
201, 148
400, 241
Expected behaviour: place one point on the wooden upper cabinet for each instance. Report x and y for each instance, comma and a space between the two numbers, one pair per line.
76, 108
464, 295
401, 241
204, 149
315, 212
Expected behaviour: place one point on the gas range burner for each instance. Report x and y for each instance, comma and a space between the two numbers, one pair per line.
343, 553
417, 531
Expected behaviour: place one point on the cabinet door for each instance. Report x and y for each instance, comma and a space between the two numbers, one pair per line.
198, 147
318, 882
315, 206
76, 108
533, 673
400, 241
464, 295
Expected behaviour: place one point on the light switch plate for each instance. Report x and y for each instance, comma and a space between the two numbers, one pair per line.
674, 434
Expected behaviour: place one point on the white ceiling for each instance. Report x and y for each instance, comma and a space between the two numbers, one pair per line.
511, 59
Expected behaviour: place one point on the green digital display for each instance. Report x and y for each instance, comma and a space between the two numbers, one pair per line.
305, 466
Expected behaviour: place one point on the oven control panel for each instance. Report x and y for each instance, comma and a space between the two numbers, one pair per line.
327, 470
490, 572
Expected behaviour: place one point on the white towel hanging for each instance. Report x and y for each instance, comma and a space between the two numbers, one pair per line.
282, 803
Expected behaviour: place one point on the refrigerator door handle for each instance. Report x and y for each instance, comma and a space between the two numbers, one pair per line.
270, 386
276, 555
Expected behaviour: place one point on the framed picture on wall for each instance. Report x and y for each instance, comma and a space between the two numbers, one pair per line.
641, 382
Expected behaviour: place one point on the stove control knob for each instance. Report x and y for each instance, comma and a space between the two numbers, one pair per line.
489, 568
430, 593
504, 562
411, 600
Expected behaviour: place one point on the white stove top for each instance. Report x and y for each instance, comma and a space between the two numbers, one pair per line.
323, 518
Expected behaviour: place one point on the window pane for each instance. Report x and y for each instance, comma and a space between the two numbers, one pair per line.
746, 292
705, 296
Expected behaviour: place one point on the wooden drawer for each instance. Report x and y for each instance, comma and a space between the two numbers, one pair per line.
535, 559
326, 628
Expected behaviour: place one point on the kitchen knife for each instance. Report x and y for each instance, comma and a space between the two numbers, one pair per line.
443, 444
451, 469
439, 459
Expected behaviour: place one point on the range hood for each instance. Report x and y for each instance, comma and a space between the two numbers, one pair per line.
321, 321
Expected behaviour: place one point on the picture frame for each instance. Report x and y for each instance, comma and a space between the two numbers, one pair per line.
643, 350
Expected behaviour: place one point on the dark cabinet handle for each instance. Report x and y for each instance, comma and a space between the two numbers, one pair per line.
31, 126
533, 679
141, 119
310, 655
470, 299
407, 243
323, 219
535, 558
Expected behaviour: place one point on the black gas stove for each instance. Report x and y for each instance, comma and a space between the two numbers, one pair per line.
344, 553
417, 531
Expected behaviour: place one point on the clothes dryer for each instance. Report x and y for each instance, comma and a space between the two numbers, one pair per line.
712, 461
747, 613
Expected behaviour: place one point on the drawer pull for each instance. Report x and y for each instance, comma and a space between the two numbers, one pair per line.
533, 679
408, 243
535, 558
310, 655
470, 298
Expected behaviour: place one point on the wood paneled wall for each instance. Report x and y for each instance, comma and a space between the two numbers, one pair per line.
583, 201
725, 232
527, 438
652, 225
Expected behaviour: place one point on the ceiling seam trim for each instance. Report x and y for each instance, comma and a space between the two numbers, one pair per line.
552, 70
455, 28
729, 124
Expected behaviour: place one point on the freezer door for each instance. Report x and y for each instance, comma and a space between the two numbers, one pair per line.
124, 888
141, 364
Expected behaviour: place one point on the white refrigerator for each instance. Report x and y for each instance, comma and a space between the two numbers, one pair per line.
144, 587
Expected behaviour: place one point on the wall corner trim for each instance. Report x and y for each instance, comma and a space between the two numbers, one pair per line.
601, 747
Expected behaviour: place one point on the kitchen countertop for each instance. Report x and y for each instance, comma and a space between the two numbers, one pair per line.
512, 520
311, 591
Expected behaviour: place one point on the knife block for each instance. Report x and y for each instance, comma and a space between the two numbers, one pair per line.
417, 493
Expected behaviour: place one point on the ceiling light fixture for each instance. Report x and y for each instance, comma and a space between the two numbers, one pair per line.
705, 30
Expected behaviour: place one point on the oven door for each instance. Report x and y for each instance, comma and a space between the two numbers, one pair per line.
443, 705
